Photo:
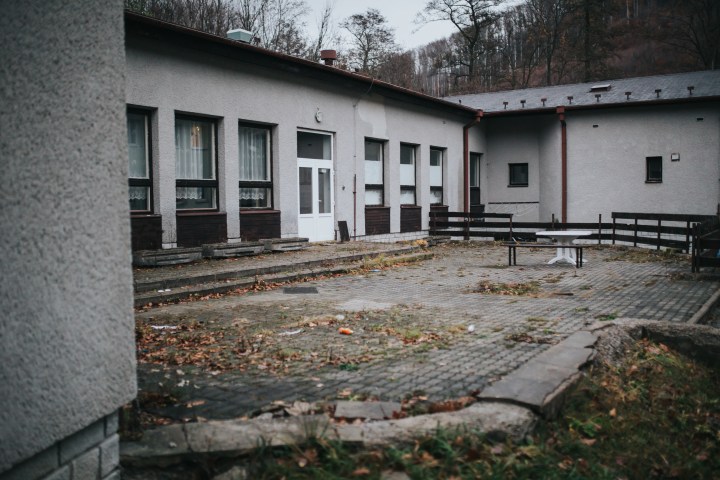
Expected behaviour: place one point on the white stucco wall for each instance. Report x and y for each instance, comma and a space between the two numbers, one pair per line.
66, 330
169, 81
514, 140
606, 152
606, 164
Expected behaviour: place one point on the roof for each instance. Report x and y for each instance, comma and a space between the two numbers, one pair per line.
141, 26
627, 91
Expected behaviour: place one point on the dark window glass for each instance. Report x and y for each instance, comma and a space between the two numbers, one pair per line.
519, 174
653, 169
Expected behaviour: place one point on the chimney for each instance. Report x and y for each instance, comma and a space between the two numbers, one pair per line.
240, 35
328, 57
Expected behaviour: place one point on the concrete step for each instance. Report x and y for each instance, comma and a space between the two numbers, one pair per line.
286, 273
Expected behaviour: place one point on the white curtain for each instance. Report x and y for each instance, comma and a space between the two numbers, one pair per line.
253, 146
137, 151
193, 155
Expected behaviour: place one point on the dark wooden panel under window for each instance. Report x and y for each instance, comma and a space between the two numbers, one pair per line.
146, 232
410, 218
195, 229
255, 225
377, 220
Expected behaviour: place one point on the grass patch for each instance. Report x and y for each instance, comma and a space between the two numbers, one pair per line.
657, 415
493, 288
607, 317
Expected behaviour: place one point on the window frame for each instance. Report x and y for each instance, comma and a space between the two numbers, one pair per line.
200, 183
441, 187
267, 184
147, 181
648, 160
376, 187
405, 187
512, 182
474, 179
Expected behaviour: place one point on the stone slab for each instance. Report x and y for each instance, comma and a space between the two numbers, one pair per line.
565, 357
366, 410
580, 339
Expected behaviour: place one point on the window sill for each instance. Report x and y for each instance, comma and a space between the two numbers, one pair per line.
410, 205
257, 211
518, 185
190, 213
376, 206
653, 181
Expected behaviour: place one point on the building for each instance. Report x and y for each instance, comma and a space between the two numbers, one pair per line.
573, 152
229, 142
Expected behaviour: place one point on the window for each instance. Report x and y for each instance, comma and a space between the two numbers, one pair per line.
314, 145
653, 169
475, 178
255, 176
195, 164
139, 184
518, 174
374, 164
407, 174
436, 176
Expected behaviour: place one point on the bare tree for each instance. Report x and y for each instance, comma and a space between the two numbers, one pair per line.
471, 18
326, 35
371, 38
695, 29
548, 23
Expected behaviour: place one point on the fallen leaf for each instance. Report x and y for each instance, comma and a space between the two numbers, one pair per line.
361, 472
588, 441
613, 413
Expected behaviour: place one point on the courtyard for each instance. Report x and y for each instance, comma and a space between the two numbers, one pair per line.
440, 327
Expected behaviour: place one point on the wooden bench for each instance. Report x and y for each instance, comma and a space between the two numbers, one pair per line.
513, 246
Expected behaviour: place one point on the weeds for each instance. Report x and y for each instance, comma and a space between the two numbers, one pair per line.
488, 287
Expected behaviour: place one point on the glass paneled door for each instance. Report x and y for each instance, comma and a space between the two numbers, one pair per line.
315, 186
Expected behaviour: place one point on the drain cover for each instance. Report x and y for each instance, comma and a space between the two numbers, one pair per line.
294, 290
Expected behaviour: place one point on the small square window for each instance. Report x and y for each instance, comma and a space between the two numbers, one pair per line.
653, 169
518, 174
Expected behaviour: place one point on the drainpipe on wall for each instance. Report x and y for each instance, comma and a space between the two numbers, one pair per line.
466, 160
563, 158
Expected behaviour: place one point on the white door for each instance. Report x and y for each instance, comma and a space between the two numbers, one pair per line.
315, 187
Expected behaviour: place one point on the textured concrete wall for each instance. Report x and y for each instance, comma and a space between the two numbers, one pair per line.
168, 81
66, 329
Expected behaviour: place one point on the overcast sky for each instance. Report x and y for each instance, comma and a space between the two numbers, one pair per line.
399, 13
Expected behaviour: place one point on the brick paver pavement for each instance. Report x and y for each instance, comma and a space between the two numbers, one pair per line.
434, 296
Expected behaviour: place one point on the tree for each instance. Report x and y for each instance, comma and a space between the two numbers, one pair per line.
693, 26
326, 35
548, 23
372, 40
472, 18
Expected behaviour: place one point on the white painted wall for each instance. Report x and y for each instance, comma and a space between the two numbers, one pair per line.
514, 140
607, 164
169, 81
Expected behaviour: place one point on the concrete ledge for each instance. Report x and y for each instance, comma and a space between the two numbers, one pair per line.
172, 444
542, 384
170, 256
227, 250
